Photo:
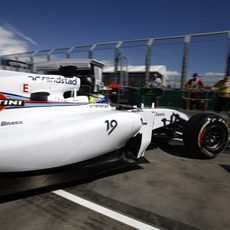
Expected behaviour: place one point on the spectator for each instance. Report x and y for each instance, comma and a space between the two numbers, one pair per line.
157, 82
194, 87
195, 83
222, 88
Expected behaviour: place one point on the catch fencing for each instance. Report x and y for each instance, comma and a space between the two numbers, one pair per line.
205, 53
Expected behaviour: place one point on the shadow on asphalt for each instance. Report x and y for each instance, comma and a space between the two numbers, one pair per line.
17, 187
226, 167
178, 150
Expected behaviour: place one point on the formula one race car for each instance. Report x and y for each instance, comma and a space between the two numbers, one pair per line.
45, 124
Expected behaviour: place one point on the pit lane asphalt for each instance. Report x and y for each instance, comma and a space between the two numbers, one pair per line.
170, 191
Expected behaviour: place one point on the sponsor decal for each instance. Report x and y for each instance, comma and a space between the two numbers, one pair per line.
160, 114
5, 102
57, 80
98, 105
143, 122
25, 88
9, 123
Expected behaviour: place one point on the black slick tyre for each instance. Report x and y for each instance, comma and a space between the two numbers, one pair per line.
206, 135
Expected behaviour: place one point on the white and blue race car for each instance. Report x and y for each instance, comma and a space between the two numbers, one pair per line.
45, 124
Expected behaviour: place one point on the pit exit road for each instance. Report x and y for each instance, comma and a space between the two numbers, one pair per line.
170, 190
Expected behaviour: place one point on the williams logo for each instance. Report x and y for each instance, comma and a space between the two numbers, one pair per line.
5, 102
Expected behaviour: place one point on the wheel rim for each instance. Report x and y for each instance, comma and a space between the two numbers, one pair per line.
214, 138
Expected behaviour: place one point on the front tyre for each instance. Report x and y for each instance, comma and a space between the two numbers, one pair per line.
206, 134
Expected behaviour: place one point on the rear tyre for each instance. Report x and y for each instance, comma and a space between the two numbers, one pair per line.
206, 135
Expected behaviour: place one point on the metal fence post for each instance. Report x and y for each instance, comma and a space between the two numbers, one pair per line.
123, 61
69, 51
116, 60
148, 60
32, 62
185, 60
49, 53
17, 67
91, 49
228, 57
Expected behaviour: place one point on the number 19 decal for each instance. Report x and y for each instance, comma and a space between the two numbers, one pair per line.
110, 126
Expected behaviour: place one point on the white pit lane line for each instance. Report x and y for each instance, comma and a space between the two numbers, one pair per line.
104, 211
